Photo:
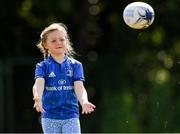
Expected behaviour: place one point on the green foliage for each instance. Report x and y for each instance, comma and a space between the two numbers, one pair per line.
118, 112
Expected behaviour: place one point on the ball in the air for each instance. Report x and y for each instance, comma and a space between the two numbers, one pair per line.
138, 15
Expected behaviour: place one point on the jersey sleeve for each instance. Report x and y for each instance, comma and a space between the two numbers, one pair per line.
40, 70
78, 72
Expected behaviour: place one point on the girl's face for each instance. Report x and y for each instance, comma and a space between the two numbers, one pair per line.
56, 43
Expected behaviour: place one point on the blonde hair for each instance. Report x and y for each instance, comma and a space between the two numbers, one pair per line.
44, 34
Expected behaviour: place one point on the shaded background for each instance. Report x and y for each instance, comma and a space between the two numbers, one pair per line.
131, 75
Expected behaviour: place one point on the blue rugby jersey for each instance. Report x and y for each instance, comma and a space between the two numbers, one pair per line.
59, 98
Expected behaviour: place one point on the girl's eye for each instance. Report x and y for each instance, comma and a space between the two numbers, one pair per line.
53, 41
61, 40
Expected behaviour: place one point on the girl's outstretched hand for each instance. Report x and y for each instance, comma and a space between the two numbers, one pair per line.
38, 105
87, 108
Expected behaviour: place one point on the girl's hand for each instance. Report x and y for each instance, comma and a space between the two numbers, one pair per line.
87, 108
38, 105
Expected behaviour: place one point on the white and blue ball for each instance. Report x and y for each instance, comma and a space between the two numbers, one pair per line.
138, 15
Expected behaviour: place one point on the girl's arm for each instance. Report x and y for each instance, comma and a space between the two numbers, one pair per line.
81, 93
38, 89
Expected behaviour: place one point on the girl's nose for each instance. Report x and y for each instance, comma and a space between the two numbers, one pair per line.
59, 42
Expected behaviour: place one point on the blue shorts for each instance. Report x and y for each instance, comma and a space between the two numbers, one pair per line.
70, 126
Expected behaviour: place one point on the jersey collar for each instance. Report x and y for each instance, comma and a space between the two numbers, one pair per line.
52, 59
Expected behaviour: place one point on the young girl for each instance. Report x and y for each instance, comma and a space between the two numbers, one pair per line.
59, 83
